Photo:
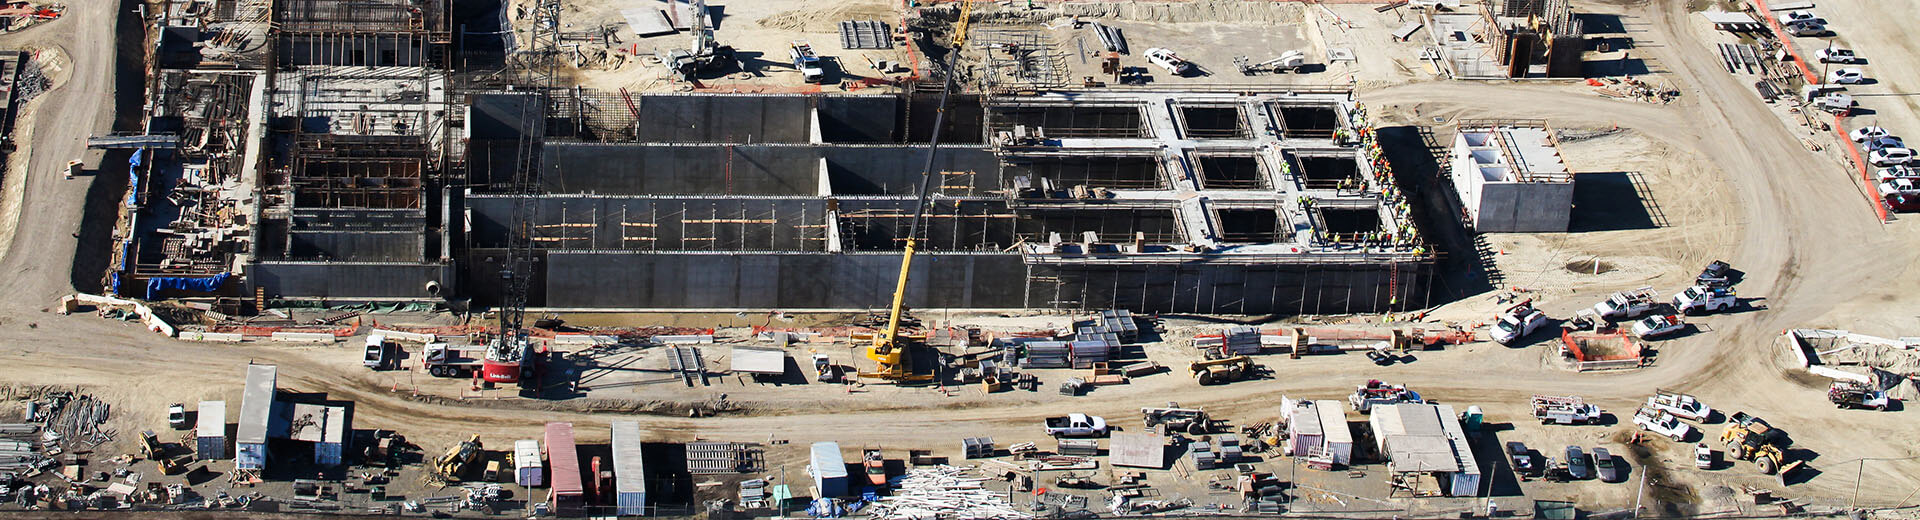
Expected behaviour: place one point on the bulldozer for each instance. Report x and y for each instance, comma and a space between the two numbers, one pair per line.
458, 460
1750, 438
1224, 370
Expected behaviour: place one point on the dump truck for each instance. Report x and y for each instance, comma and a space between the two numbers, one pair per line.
1376, 393
1516, 322
458, 459
1224, 370
1680, 405
1853, 394
1750, 438
1076, 425
1173, 418
443, 360
1554, 409
1627, 305
1702, 299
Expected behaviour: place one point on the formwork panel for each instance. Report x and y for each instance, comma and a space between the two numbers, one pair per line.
897, 170
667, 169
733, 118
1136, 171
1112, 225
1093, 121
860, 119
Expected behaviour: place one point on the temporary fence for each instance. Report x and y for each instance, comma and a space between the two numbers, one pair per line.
1592, 351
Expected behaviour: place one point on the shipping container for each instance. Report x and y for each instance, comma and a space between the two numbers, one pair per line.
527, 470
569, 494
1338, 438
629, 470
829, 470
210, 431
256, 414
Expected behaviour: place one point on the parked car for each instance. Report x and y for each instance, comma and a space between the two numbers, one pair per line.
1885, 157
1807, 28
1798, 16
1885, 142
1717, 274
1522, 458
1605, 467
1846, 75
1867, 133
1702, 456
1577, 468
1837, 55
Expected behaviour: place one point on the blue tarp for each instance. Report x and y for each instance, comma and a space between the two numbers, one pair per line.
185, 283
133, 179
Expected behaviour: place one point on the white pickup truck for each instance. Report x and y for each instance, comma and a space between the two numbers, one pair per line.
1661, 423
1553, 409
1658, 326
1680, 405
1702, 299
1516, 322
1076, 425
1627, 305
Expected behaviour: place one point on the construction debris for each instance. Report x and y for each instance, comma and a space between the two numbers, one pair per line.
945, 492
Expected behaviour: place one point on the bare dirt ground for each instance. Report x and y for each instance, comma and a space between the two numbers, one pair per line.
760, 31
1791, 219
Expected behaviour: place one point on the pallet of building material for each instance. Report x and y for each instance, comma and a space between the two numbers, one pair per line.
1073, 386
1078, 447
977, 447
1063, 463
1085, 353
1120, 321
1140, 369
865, 34
1108, 379
1047, 354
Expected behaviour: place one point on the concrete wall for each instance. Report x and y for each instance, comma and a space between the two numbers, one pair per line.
678, 169
731, 118
1535, 207
784, 281
357, 246
896, 170
379, 50
859, 119
1233, 289
659, 223
349, 280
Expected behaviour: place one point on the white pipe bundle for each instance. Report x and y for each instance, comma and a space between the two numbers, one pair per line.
944, 493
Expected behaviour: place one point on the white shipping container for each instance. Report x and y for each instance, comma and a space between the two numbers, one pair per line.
526, 463
1337, 438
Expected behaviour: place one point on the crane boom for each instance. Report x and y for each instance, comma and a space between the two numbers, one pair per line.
887, 349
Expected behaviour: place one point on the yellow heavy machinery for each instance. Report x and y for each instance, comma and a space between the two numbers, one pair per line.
890, 347
1225, 370
458, 460
1749, 438
151, 449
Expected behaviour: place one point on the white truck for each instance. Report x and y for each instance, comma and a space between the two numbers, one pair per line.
1702, 299
1376, 393
1516, 322
1627, 305
1852, 394
1290, 61
379, 352
805, 61
1655, 327
1680, 405
1166, 59
1076, 425
1554, 409
1661, 423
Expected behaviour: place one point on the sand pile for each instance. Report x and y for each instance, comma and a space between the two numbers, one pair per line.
826, 16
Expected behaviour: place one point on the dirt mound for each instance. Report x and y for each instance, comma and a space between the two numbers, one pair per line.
1196, 11
827, 19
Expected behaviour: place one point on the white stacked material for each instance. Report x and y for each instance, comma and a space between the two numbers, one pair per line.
1243, 340
1047, 354
945, 493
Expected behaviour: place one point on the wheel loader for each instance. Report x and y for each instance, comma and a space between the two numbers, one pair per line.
1226, 370
453, 465
1750, 438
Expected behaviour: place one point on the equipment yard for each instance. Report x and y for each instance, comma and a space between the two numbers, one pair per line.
959, 259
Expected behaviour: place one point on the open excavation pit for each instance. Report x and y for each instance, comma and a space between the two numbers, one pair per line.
1129, 200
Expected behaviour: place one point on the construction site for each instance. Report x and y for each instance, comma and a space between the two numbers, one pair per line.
903, 260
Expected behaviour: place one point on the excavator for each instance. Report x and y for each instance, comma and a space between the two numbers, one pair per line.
889, 348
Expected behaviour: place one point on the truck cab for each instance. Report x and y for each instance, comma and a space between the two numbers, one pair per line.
1076, 425
1702, 299
379, 352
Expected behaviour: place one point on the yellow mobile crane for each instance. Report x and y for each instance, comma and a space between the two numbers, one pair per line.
889, 349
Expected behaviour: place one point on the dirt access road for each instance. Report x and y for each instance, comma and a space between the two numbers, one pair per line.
1809, 246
